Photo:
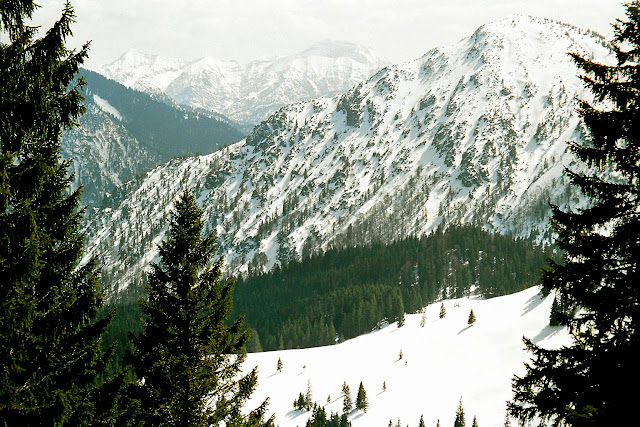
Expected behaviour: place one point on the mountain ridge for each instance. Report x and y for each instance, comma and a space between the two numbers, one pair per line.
248, 92
472, 133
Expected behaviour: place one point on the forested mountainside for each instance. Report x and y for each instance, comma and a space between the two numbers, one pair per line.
472, 133
248, 93
344, 293
125, 133
347, 292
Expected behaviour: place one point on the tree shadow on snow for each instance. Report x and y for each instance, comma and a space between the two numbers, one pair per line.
533, 302
547, 332
464, 329
293, 414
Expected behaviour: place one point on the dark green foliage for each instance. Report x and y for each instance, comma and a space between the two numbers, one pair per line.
362, 403
168, 130
459, 421
472, 318
319, 419
597, 282
187, 355
401, 321
443, 312
475, 422
347, 403
50, 341
349, 292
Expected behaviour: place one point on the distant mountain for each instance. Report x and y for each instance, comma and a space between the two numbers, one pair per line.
248, 93
472, 133
126, 133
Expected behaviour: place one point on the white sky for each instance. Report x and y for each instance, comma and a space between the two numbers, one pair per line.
399, 30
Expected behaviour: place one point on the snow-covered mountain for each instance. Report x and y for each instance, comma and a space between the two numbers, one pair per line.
443, 362
471, 133
248, 93
125, 133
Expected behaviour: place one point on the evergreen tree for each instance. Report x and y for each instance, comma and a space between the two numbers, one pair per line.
362, 403
421, 423
347, 403
187, 355
279, 366
472, 318
401, 320
459, 421
443, 312
597, 281
423, 318
50, 340
475, 422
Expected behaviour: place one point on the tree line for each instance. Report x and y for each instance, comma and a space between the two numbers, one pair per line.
344, 293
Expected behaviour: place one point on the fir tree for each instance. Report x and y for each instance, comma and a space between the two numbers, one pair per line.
347, 403
423, 318
459, 421
50, 341
443, 312
401, 320
599, 274
421, 423
475, 422
187, 354
472, 318
279, 365
362, 403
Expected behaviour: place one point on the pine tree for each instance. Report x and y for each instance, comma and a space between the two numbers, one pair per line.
421, 423
50, 341
459, 421
347, 403
472, 318
597, 280
187, 355
362, 403
475, 422
443, 312
401, 320
279, 366
423, 318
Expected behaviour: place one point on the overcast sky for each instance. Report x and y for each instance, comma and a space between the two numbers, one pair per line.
399, 30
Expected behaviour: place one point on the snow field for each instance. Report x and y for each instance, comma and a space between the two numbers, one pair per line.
442, 362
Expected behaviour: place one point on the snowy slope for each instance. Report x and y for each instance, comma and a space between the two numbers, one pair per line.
248, 93
442, 362
472, 133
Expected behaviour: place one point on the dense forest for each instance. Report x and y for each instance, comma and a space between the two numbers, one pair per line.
344, 293
347, 292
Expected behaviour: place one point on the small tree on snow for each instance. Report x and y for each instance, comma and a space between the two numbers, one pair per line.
279, 365
472, 318
459, 422
443, 312
347, 403
423, 319
421, 423
362, 402
475, 422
